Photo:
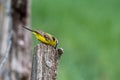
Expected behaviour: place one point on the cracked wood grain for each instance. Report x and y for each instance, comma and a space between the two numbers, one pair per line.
45, 62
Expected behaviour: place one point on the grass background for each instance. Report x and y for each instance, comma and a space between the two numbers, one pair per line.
89, 33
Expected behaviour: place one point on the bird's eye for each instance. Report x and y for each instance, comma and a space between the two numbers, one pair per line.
53, 38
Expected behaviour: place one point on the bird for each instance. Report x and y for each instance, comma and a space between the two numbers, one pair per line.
44, 37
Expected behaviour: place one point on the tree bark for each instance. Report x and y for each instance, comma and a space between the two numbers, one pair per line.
5, 38
45, 62
15, 14
20, 58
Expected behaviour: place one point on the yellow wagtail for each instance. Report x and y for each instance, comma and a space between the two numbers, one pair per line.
44, 37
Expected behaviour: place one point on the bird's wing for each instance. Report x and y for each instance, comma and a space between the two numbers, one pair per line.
47, 36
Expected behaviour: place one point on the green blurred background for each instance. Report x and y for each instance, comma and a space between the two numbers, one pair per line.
89, 33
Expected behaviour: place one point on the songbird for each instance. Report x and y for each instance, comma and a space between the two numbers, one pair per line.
44, 37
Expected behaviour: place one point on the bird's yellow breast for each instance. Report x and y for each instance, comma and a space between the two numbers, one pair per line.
42, 39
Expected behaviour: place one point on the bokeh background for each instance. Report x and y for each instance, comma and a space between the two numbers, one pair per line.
89, 33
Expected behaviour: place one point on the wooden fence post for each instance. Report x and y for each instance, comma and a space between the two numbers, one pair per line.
45, 62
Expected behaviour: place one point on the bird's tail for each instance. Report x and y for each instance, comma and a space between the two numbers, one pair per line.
28, 29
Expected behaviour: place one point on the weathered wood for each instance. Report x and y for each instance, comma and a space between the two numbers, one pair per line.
20, 57
5, 38
13, 15
45, 62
